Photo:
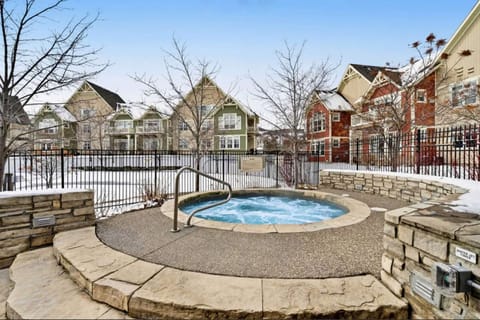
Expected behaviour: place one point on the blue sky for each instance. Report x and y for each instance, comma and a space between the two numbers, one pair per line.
242, 35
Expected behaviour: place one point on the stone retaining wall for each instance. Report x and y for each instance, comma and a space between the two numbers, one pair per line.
414, 240
71, 209
402, 188
417, 236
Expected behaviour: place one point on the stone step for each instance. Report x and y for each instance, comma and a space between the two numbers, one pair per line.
5, 287
43, 290
147, 290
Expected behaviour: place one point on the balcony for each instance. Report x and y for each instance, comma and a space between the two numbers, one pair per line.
148, 130
362, 119
251, 129
115, 130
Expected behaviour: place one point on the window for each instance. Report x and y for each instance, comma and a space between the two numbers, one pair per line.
206, 125
120, 144
206, 144
229, 142
46, 146
336, 117
151, 125
318, 147
182, 125
464, 138
66, 125
318, 122
87, 145
464, 93
423, 134
336, 142
150, 144
377, 144
49, 126
86, 113
182, 144
230, 121
205, 110
421, 96
86, 129
470, 92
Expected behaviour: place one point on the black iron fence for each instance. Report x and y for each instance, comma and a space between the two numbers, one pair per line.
122, 179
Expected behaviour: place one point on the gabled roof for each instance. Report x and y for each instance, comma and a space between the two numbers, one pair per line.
472, 16
16, 112
333, 101
110, 97
136, 110
62, 113
368, 72
227, 97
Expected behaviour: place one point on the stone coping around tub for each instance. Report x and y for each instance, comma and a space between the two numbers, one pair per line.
357, 212
151, 291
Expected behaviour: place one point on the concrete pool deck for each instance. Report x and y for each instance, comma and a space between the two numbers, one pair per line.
207, 273
334, 252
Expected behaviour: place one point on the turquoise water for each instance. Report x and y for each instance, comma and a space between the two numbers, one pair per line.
267, 210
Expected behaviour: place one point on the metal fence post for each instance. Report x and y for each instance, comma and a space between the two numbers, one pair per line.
8, 184
223, 165
155, 168
417, 150
62, 160
357, 151
276, 177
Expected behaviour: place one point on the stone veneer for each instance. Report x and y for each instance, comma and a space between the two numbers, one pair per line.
417, 236
389, 185
72, 209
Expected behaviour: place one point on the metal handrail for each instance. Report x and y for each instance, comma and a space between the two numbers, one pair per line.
175, 208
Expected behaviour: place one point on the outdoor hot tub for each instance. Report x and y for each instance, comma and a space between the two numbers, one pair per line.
271, 210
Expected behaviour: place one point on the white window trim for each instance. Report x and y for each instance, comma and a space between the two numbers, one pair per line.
224, 141
424, 96
336, 117
322, 126
230, 116
461, 85
336, 142
315, 147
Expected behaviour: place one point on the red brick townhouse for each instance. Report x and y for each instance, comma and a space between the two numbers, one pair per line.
399, 100
327, 126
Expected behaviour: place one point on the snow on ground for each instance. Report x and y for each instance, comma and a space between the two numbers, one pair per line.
467, 202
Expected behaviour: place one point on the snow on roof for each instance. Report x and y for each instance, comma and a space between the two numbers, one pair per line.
136, 110
413, 72
59, 110
63, 113
334, 101
32, 110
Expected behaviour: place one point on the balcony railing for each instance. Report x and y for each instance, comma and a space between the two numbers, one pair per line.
114, 130
149, 129
361, 119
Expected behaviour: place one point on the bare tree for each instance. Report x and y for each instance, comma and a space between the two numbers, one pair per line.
37, 60
287, 91
191, 97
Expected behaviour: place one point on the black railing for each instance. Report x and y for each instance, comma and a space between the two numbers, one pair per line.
125, 178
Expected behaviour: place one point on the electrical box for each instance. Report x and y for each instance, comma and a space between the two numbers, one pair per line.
451, 278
